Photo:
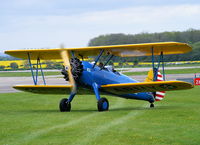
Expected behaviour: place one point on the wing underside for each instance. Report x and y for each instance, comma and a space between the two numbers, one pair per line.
52, 89
45, 89
146, 87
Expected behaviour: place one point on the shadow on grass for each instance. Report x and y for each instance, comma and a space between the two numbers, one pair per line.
92, 110
128, 109
84, 110
40, 111
28, 111
143, 108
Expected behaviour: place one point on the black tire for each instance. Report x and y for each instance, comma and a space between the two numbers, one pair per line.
103, 105
151, 105
64, 105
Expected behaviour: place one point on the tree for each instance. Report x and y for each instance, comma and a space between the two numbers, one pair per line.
191, 36
14, 65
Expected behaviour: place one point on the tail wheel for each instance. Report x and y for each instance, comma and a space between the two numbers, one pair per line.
76, 68
103, 104
64, 105
151, 105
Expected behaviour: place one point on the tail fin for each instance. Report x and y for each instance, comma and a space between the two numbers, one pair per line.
157, 95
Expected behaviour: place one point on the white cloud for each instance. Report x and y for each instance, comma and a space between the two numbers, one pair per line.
143, 15
77, 30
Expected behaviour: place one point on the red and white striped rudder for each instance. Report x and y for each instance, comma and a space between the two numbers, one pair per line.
159, 95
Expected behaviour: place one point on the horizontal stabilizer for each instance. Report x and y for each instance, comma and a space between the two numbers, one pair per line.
129, 88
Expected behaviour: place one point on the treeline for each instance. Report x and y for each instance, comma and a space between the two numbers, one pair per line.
191, 36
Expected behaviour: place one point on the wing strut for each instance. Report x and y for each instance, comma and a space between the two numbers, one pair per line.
155, 69
153, 60
98, 57
35, 77
163, 65
107, 61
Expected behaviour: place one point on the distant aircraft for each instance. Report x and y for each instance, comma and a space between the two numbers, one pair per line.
86, 78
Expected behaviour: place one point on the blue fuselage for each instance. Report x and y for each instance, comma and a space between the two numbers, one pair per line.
98, 76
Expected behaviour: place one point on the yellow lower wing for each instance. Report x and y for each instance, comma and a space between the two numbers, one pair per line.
146, 87
52, 89
111, 88
45, 89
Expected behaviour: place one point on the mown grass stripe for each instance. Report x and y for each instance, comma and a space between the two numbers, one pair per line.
43, 131
99, 130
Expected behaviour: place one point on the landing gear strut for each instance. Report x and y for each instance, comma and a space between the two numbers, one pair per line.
76, 70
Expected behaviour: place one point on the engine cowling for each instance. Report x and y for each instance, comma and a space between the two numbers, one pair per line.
76, 69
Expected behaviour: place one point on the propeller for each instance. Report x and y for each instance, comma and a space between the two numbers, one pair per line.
66, 59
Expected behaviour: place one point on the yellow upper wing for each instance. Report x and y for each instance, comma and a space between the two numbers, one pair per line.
129, 50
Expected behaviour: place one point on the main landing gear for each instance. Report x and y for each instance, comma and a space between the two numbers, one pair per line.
64, 106
102, 104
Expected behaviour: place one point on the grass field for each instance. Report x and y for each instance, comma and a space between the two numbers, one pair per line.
30, 119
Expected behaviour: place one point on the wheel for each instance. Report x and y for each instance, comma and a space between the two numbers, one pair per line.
151, 105
103, 104
65, 106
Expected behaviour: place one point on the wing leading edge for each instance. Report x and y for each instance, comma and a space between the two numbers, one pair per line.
146, 87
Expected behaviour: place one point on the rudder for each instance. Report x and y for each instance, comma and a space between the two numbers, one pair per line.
150, 78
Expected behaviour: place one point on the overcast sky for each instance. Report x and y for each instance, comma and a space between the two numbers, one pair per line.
49, 23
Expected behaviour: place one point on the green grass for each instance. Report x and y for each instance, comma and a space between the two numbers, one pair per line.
30, 119
175, 71
26, 74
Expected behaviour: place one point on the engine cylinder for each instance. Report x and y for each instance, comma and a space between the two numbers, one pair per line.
76, 69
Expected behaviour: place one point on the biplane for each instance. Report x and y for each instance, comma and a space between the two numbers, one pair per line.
84, 77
